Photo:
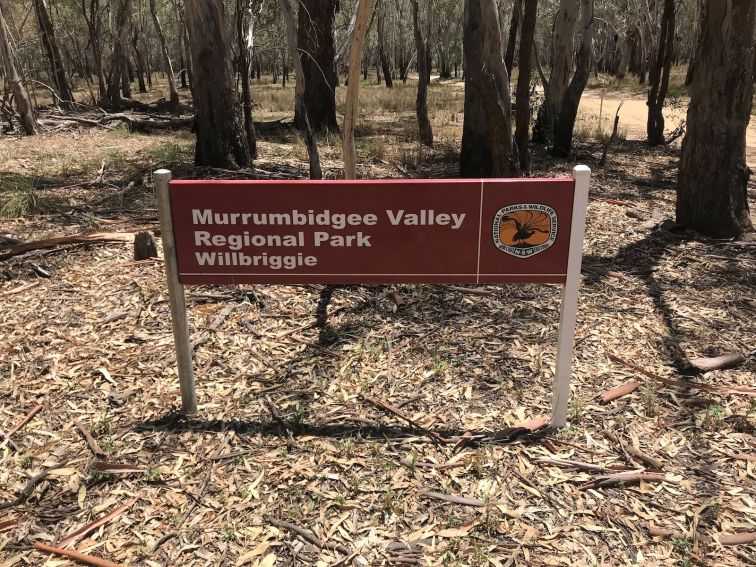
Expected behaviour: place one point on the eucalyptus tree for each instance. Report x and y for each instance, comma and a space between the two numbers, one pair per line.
712, 183
221, 139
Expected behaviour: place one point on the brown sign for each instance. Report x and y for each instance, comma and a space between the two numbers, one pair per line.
379, 232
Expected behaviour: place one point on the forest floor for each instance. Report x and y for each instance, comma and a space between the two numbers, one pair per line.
331, 479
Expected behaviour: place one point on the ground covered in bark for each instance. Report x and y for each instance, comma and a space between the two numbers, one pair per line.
295, 457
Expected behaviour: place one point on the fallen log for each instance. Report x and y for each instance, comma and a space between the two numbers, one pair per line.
685, 383
147, 125
624, 478
707, 364
619, 391
16, 249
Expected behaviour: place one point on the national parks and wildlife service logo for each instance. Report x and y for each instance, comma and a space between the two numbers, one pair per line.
525, 230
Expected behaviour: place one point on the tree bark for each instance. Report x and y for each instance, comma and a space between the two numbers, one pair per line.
316, 52
512, 39
119, 74
299, 90
565, 123
712, 192
385, 66
353, 90
487, 130
246, 98
522, 97
23, 103
221, 140
659, 76
167, 66
421, 104
57, 70
561, 56
139, 59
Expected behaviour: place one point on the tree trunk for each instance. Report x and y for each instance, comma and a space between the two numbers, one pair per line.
23, 103
221, 140
712, 192
512, 40
94, 26
696, 35
167, 66
57, 70
421, 104
659, 76
119, 62
487, 130
561, 68
316, 52
522, 98
382, 46
299, 90
362, 15
246, 98
565, 123
139, 59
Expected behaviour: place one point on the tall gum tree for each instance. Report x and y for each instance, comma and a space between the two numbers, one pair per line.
659, 75
166, 58
565, 121
421, 102
562, 57
317, 52
487, 130
221, 139
522, 96
23, 102
712, 184
57, 70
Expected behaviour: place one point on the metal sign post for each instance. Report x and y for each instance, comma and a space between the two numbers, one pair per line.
483, 231
176, 295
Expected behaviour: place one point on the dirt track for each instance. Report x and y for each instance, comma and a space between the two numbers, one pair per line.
635, 112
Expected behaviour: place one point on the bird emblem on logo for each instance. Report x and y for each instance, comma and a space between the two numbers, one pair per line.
524, 230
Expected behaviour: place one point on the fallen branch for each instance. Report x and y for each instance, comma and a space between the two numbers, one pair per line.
707, 364
75, 555
742, 538
461, 500
115, 468
685, 383
512, 433
575, 465
629, 450
90, 441
6, 525
21, 289
400, 414
624, 478
16, 249
619, 391
90, 527
310, 537
26, 492
21, 424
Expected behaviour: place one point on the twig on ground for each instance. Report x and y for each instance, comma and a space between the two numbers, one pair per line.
89, 528
400, 414
75, 555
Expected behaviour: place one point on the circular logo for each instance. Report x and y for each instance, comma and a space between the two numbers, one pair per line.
524, 230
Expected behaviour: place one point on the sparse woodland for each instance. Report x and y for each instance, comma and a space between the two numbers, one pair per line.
378, 425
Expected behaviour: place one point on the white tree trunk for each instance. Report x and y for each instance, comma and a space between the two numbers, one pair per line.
353, 89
